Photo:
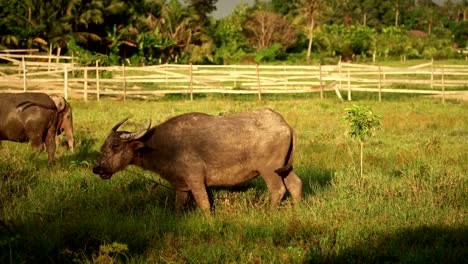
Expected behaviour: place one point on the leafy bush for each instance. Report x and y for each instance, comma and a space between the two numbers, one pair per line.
270, 54
87, 57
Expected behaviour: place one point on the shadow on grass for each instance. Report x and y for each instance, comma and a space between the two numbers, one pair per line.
64, 220
314, 179
84, 153
424, 244
14, 182
70, 219
73, 223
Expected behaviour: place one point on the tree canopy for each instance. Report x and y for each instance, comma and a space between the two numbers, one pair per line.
161, 31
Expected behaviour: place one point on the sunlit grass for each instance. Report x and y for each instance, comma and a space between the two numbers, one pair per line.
410, 205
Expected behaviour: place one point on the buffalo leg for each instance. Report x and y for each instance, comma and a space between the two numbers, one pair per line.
36, 142
70, 141
50, 144
181, 198
275, 186
198, 190
201, 197
294, 185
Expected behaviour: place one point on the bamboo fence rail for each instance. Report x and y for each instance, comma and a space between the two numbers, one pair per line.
66, 78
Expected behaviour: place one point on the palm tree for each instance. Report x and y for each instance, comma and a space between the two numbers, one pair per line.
8, 22
308, 11
180, 34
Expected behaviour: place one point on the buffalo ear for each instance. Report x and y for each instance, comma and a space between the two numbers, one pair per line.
136, 145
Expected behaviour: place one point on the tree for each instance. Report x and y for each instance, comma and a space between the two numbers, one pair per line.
363, 40
362, 123
283, 7
228, 35
308, 10
335, 40
202, 8
8, 22
266, 28
187, 39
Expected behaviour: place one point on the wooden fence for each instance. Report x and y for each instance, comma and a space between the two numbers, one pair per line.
60, 75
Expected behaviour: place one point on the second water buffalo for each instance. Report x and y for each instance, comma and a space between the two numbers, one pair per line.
195, 150
32, 117
65, 124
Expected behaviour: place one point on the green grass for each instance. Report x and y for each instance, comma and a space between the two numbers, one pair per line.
410, 205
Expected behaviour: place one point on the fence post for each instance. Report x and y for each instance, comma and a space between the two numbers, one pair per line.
285, 77
24, 74
321, 81
97, 80
339, 73
235, 78
443, 85
166, 68
191, 82
337, 91
380, 84
258, 81
124, 82
384, 81
57, 57
50, 57
85, 88
65, 81
73, 64
432, 73
349, 86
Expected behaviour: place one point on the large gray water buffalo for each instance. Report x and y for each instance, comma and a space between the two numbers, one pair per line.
35, 118
196, 150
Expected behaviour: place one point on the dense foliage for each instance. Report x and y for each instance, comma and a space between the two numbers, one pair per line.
159, 31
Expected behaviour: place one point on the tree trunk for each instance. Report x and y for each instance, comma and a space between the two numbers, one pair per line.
396, 18
29, 27
429, 30
397, 13
311, 38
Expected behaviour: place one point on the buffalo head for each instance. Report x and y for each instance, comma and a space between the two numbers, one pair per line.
118, 150
66, 126
59, 101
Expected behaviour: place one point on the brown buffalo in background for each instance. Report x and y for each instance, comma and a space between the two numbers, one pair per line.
35, 118
65, 120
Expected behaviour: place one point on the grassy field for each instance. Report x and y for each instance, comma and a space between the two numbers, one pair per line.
410, 206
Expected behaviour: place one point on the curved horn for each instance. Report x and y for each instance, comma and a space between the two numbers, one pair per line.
136, 135
119, 124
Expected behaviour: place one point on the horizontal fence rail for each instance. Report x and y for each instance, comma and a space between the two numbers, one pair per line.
54, 74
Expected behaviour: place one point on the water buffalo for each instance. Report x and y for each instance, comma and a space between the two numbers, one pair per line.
31, 117
196, 150
65, 120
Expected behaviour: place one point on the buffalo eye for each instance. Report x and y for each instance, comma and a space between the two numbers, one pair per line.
115, 146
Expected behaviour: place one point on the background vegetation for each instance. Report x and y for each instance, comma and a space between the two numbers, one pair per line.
409, 206
299, 31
